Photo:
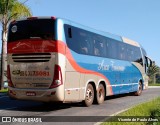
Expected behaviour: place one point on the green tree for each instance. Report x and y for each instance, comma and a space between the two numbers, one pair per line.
9, 10
158, 78
152, 72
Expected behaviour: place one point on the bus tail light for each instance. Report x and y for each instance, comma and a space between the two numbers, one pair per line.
10, 84
14, 21
53, 17
57, 79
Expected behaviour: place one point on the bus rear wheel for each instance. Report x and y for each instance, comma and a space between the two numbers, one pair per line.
89, 97
139, 91
100, 95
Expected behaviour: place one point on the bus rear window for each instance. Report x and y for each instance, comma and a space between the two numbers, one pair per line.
29, 29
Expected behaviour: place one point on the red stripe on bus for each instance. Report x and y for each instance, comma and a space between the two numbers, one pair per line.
82, 70
36, 46
40, 46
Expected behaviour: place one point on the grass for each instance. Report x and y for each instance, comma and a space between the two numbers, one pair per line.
3, 90
150, 109
151, 84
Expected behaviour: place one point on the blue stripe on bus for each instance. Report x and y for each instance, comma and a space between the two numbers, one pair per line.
116, 71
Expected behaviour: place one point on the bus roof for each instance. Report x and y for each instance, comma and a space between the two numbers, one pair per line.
131, 42
107, 34
69, 22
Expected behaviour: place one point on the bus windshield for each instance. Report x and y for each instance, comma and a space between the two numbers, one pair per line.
29, 29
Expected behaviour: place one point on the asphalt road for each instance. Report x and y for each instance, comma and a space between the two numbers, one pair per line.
76, 111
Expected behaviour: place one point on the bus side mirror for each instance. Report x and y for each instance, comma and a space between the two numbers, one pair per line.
149, 62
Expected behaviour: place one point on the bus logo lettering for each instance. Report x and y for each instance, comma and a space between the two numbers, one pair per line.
31, 73
103, 66
16, 72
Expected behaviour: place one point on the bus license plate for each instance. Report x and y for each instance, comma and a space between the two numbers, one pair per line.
30, 93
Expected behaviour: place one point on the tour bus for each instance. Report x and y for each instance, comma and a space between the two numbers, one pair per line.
52, 59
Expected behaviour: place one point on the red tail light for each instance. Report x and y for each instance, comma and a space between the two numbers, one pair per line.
57, 79
10, 84
53, 17
14, 21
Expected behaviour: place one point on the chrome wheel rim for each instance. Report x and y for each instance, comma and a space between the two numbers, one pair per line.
89, 95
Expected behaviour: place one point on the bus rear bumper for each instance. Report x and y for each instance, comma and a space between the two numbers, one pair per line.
43, 95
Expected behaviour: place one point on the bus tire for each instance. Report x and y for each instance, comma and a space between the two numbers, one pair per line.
100, 94
139, 91
89, 97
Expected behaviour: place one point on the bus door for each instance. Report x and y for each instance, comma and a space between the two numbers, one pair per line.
72, 77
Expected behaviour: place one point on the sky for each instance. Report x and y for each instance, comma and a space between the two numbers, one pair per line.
138, 20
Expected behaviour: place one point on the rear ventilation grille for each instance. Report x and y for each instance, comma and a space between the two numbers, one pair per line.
31, 57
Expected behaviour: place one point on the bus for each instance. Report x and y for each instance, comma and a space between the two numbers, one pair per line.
52, 59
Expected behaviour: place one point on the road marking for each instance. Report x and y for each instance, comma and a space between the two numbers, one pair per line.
8, 109
153, 86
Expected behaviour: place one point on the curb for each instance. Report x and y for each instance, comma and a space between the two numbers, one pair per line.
153, 86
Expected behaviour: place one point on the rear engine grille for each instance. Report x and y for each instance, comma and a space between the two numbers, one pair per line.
31, 57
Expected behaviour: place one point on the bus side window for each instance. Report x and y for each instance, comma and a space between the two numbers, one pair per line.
84, 42
113, 49
84, 46
107, 49
103, 47
130, 53
128, 56
71, 35
99, 49
96, 48
138, 56
121, 51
